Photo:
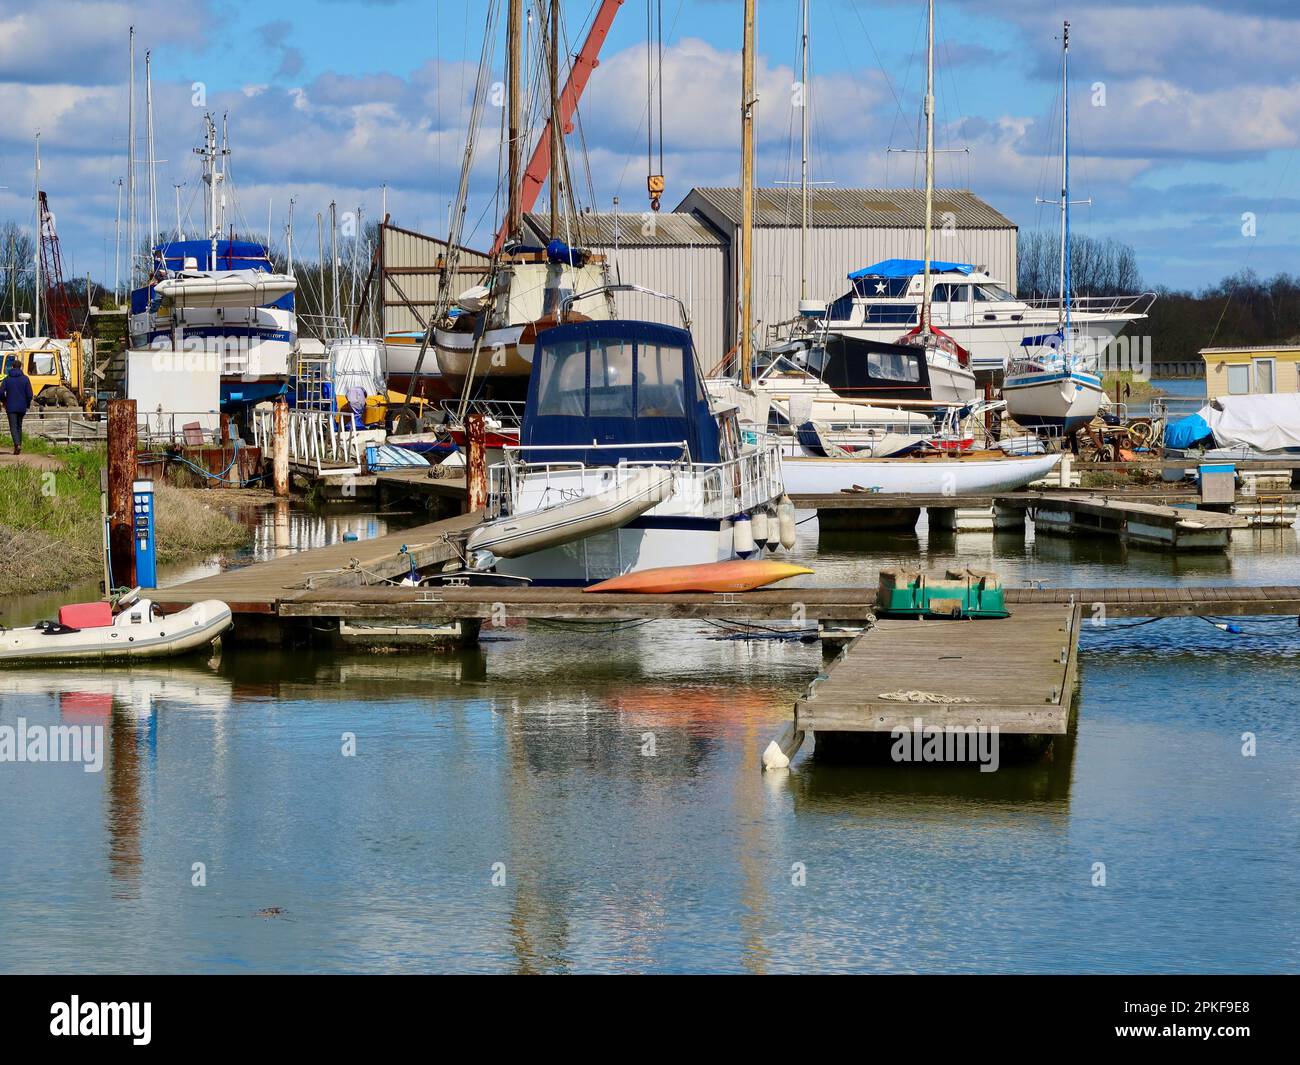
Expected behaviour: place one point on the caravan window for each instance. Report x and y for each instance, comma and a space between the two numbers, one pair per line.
611, 379
562, 388
661, 382
1238, 380
889, 366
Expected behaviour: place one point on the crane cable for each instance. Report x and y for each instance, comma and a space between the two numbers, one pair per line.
654, 71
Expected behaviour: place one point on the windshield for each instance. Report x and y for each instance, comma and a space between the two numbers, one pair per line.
992, 294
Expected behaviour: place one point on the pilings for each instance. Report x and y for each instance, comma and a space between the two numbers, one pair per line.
121, 499
280, 448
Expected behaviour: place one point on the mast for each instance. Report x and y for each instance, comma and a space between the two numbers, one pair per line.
36, 253
1063, 309
288, 237
117, 248
747, 202
804, 250
180, 235
334, 255
212, 177
555, 117
514, 79
148, 135
929, 166
130, 168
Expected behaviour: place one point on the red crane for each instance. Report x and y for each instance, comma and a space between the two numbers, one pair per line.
58, 307
539, 165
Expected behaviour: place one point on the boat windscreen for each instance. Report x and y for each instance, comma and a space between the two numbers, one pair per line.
622, 385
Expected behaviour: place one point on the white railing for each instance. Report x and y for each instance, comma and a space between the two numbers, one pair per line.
156, 427
1104, 305
716, 490
327, 440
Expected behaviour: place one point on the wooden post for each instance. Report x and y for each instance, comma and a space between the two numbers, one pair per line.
225, 430
280, 447
988, 414
476, 463
121, 475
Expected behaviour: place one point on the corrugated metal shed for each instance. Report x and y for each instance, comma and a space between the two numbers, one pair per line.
410, 265
849, 208
631, 229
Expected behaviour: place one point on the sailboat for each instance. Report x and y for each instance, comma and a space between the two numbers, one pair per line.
1056, 389
951, 375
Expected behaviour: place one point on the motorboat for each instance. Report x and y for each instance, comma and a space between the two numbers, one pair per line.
971, 473
135, 629
618, 412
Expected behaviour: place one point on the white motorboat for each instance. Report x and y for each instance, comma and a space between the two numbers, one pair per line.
136, 630
230, 288
977, 473
618, 408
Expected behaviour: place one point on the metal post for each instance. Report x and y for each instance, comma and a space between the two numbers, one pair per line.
280, 448
476, 462
121, 478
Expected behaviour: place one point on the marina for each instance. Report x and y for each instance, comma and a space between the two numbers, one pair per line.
475, 564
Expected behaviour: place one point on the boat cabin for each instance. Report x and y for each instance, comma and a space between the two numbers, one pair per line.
606, 392
889, 292
858, 368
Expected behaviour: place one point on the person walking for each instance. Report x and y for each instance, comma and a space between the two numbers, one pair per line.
16, 397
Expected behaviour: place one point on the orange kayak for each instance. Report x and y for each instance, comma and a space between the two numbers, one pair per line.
738, 575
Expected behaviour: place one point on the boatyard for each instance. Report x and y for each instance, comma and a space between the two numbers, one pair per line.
518, 571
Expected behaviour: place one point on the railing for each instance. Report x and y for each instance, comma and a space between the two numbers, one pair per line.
506, 413
720, 490
155, 428
327, 440
1124, 304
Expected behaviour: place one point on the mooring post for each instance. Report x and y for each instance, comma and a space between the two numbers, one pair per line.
476, 463
121, 478
280, 447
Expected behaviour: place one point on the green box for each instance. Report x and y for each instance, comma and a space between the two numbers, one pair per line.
959, 593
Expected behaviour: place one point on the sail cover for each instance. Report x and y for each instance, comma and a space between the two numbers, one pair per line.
909, 268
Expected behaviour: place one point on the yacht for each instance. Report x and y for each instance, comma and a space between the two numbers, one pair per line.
625, 462
973, 308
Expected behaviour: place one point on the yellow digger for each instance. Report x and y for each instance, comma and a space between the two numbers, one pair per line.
55, 370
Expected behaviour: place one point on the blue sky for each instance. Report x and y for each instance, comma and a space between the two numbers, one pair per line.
330, 99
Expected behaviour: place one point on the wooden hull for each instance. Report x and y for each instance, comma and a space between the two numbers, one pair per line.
734, 576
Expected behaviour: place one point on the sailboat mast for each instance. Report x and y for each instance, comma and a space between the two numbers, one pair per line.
40, 232
130, 168
929, 165
747, 203
117, 248
1063, 314
148, 134
555, 117
514, 78
804, 251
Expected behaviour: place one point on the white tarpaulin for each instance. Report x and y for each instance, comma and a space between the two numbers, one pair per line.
1266, 423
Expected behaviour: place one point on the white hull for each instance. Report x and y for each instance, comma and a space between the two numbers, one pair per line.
1052, 398
991, 344
236, 288
806, 475
952, 384
187, 630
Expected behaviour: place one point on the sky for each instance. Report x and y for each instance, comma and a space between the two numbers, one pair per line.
1184, 116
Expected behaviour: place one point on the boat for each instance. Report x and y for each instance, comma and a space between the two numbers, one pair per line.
617, 408
401, 354
972, 473
564, 520
737, 575
1058, 389
135, 630
1238, 427
220, 296
974, 308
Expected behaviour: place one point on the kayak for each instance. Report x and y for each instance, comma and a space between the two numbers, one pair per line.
737, 575
92, 630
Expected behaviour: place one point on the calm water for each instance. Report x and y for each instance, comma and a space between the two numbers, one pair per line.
528, 752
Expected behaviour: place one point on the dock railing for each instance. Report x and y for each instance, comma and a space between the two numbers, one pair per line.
327, 440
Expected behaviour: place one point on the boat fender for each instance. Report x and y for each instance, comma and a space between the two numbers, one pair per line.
759, 523
742, 536
785, 518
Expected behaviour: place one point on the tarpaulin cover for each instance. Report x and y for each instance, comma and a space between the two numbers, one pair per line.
1266, 423
909, 268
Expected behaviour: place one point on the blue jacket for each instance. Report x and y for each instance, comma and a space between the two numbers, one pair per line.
16, 390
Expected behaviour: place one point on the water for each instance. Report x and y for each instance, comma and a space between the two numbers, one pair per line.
528, 752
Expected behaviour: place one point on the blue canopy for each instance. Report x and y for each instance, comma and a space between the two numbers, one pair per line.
231, 254
909, 268
1187, 432
621, 385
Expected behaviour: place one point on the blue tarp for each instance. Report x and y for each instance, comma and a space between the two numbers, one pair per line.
909, 268
231, 254
1187, 432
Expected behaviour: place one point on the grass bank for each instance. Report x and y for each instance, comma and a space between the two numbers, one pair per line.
50, 531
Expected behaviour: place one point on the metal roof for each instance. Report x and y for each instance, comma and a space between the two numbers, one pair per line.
880, 208
634, 229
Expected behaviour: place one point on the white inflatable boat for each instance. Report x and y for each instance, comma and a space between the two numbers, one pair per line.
136, 630
642, 489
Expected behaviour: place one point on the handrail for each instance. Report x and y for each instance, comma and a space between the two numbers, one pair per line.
573, 298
